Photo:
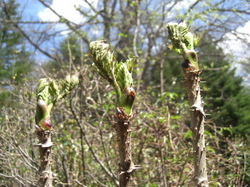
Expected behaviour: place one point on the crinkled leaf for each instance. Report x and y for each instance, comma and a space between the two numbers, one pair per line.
183, 42
118, 74
103, 58
49, 92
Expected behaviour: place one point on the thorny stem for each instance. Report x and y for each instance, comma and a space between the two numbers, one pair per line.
45, 179
184, 42
48, 93
197, 127
119, 75
123, 129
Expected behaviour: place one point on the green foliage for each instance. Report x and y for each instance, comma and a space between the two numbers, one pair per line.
118, 74
6, 98
183, 42
225, 97
49, 92
15, 62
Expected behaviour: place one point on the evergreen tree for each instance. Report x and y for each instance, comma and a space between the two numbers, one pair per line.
225, 96
70, 57
15, 63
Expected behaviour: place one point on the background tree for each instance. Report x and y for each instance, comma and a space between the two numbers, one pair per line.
16, 62
134, 28
224, 92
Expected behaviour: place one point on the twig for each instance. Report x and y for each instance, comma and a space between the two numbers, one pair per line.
90, 147
138, 14
105, 153
25, 156
78, 182
101, 184
12, 177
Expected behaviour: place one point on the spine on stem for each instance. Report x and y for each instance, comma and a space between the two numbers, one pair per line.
119, 75
184, 43
48, 93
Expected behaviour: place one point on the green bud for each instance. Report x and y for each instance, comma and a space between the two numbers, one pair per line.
183, 42
41, 111
43, 89
49, 92
66, 85
72, 80
103, 59
118, 74
189, 41
123, 75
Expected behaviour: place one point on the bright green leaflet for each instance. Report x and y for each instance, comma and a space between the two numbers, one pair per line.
118, 74
184, 42
49, 92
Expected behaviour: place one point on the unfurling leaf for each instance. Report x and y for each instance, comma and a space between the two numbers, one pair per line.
118, 74
49, 92
103, 59
184, 42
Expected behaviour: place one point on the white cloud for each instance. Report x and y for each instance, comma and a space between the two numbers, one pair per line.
245, 30
235, 43
236, 46
183, 5
67, 9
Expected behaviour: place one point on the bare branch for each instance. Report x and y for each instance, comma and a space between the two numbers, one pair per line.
90, 147
67, 22
138, 14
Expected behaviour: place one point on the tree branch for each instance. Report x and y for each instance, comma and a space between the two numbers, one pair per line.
90, 147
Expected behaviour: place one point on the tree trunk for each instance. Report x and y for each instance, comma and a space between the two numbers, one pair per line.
197, 126
45, 144
122, 127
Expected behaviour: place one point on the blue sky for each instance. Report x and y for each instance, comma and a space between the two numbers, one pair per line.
30, 9
33, 10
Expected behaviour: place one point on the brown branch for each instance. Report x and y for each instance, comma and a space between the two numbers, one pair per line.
138, 22
28, 22
67, 22
90, 147
123, 129
26, 35
233, 10
45, 144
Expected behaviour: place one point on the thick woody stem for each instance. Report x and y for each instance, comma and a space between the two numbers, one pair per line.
45, 178
197, 126
49, 92
122, 127
119, 75
184, 42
